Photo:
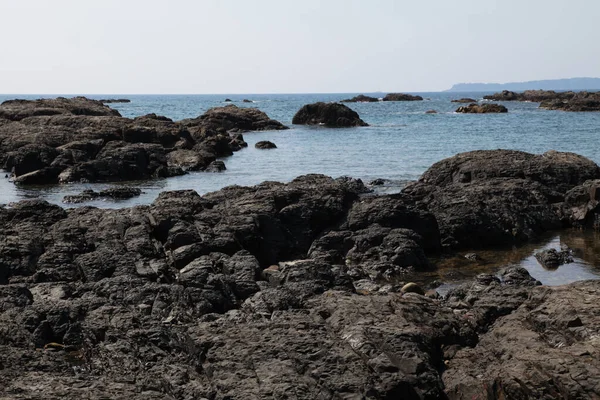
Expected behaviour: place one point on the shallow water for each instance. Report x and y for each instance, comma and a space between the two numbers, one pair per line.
401, 143
586, 261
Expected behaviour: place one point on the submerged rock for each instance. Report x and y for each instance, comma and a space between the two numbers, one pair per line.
115, 193
464, 100
401, 97
431, 112
482, 108
332, 115
265, 144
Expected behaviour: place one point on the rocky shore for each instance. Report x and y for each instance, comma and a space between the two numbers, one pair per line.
83, 140
551, 100
295, 291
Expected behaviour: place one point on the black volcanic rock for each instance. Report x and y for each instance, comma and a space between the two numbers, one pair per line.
66, 140
332, 115
361, 98
401, 97
482, 108
294, 290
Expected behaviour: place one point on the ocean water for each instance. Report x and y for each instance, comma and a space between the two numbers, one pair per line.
400, 144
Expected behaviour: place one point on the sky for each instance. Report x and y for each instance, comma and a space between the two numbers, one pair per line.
290, 46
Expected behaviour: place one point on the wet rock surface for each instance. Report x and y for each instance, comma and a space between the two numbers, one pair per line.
81, 140
298, 290
401, 97
482, 108
116, 193
331, 115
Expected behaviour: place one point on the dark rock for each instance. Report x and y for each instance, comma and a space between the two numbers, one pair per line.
215, 166
16, 110
114, 193
552, 258
232, 117
378, 182
265, 144
482, 108
431, 112
361, 98
227, 100
401, 97
464, 100
332, 115
247, 101
108, 101
551, 100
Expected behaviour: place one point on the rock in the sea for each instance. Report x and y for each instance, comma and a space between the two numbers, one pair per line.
114, 193
215, 166
265, 144
247, 101
551, 100
70, 140
552, 258
401, 97
332, 115
227, 100
431, 112
482, 108
108, 101
361, 98
464, 100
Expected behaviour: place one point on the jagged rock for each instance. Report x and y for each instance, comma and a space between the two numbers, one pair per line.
482, 108
552, 258
332, 115
69, 140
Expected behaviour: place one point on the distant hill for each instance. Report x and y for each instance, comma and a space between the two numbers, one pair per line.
549, 84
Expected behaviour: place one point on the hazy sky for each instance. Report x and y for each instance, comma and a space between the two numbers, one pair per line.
289, 46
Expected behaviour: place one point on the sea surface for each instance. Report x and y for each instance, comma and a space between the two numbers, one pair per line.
401, 142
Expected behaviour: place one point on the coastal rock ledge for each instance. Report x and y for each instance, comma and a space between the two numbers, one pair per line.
273, 291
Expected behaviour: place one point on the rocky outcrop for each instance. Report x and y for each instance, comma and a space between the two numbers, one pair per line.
114, 193
67, 140
265, 144
552, 258
551, 100
298, 290
361, 98
332, 115
489, 197
482, 108
464, 100
401, 97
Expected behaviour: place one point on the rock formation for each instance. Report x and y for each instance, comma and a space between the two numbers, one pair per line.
331, 115
298, 291
401, 97
482, 108
68, 140
361, 98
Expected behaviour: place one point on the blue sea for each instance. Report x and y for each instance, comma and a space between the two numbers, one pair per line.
401, 142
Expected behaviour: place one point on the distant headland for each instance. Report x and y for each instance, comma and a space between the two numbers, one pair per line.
549, 84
